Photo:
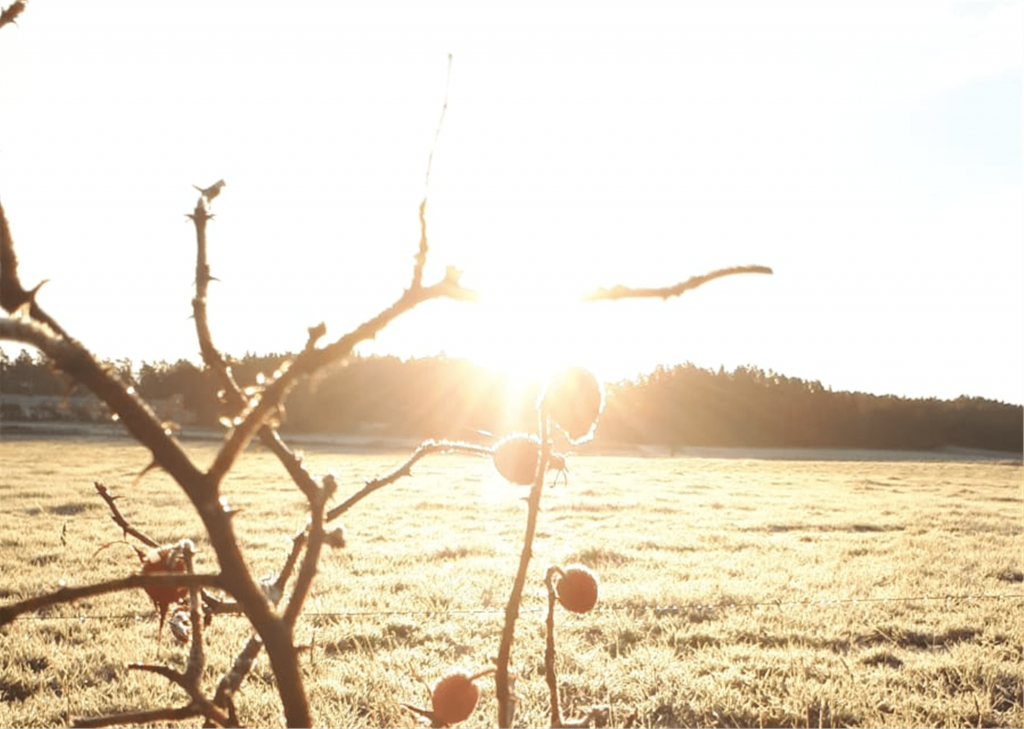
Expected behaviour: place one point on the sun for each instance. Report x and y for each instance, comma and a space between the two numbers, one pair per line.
523, 339
527, 325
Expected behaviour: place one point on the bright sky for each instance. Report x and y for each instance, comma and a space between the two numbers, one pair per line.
869, 152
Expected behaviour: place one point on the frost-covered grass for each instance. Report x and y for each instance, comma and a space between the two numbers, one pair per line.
733, 592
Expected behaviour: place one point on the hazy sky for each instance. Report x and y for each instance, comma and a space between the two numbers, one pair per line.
869, 152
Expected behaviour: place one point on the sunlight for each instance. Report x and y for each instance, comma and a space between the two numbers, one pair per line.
522, 340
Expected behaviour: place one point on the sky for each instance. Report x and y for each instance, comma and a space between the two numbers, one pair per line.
869, 152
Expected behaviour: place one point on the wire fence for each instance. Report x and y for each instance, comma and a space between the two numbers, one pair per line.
629, 608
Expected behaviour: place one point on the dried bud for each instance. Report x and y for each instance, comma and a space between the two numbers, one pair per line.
335, 538
181, 624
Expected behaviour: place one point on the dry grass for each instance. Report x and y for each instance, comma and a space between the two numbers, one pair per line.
733, 593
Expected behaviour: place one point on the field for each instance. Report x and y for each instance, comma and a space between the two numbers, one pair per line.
734, 592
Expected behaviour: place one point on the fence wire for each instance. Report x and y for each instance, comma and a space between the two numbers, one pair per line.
657, 610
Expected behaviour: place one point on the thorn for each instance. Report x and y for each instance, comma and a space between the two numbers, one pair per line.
24, 310
11, 12
152, 464
212, 191
315, 333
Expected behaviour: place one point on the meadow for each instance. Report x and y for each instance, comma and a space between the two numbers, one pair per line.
734, 592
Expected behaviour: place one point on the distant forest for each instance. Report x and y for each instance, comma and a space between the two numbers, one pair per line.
439, 397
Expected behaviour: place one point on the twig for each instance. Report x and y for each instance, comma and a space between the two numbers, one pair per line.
12, 11
119, 518
425, 449
421, 253
549, 647
309, 361
625, 292
214, 360
506, 701
189, 680
211, 355
74, 359
160, 717
69, 594
314, 545
196, 658
175, 677
232, 680
13, 296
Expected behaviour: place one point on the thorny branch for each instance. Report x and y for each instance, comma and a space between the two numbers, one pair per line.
69, 594
421, 253
13, 296
314, 545
425, 449
256, 411
11, 12
236, 399
549, 646
119, 519
503, 678
251, 412
149, 716
311, 360
625, 292
61, 349
189, 680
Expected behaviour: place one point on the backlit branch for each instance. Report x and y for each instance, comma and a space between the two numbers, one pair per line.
425, 449
70, 594
625, 292
150, 716
13, 296
11, 12
314, 546
75, 360
311, 360
211, 355
236, 399
421, 253
503, 676
119, 519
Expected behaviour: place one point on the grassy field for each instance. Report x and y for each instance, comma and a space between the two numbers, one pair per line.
733, 592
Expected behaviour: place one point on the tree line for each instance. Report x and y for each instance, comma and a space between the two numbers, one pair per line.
437, 397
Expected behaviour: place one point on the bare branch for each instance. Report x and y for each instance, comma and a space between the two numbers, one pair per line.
232, 680
151, 716
196, 658
549, 647
307, 571
502, 676
175, 677
665, 292
211, 355
425, 449
421, 253
235, 578
120, 520
309, 361
69, 594
74, 359
11, 12
13, 296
